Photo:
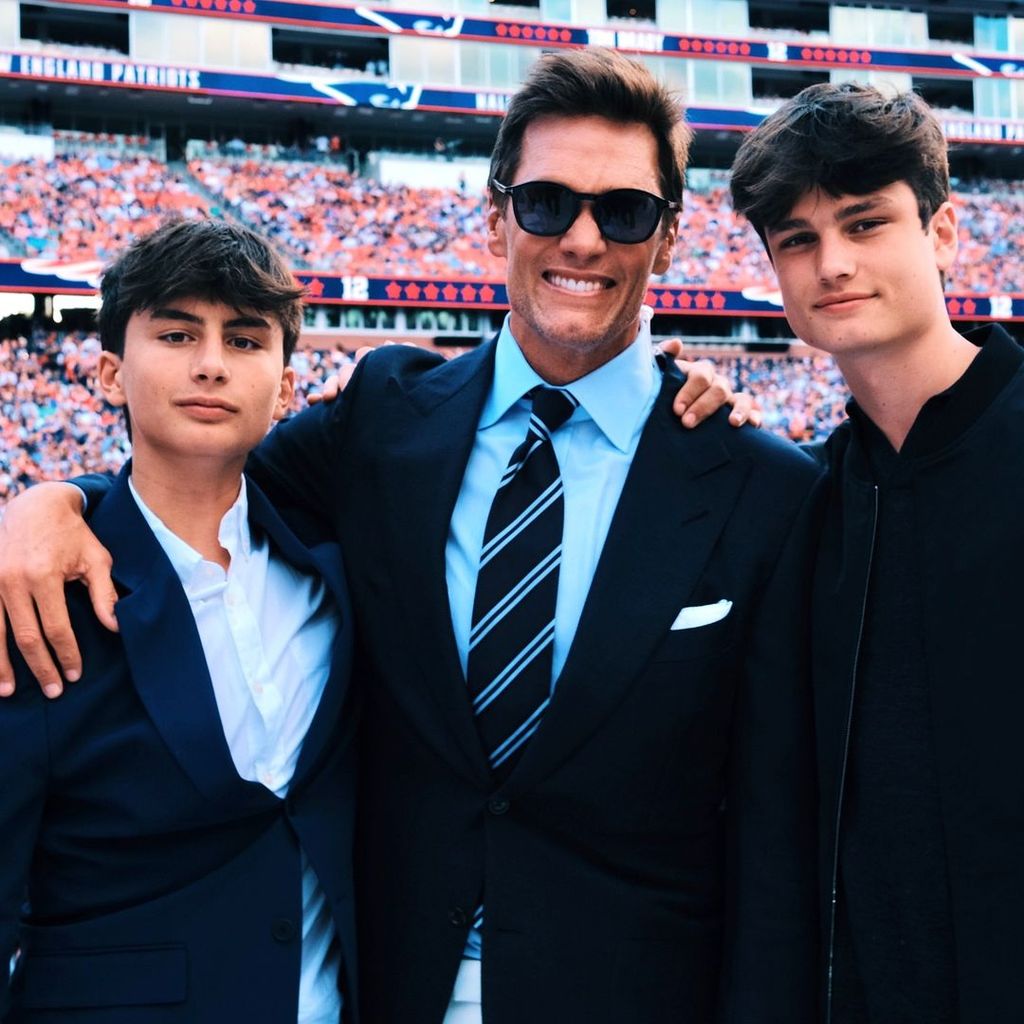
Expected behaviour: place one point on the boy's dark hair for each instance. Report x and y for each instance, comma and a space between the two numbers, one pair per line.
595, 82
848, 139
210, 260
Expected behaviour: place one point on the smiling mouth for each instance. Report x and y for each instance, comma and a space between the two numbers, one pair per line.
577, 285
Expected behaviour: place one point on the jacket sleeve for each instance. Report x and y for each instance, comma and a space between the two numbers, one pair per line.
770, 966
299, 464
23, 748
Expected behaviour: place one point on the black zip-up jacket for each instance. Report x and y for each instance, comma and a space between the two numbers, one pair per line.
968, 502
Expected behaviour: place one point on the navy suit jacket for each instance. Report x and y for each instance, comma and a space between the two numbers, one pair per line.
616, 886
161, 886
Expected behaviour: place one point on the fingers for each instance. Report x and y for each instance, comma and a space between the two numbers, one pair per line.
704, 392
328, 393
744, 410
27, 635
6, 668
101, 589
672, 347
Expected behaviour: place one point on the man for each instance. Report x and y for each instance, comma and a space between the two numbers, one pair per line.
182, 821
559, 701
917, 609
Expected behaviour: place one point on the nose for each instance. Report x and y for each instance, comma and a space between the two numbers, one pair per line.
835, 258
208, 362
583, 237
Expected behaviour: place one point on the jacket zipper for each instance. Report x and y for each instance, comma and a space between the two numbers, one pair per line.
846, 756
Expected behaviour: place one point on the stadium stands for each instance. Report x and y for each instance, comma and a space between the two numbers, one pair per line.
87, 205
53, 426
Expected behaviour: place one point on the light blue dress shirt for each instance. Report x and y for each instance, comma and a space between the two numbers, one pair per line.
595, 449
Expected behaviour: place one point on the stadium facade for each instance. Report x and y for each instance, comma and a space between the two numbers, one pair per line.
342, 95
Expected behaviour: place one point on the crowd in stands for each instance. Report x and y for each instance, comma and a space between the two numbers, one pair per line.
324, 217
53, 425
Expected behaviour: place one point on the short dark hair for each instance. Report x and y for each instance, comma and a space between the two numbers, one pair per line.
208, 259
848, 139
602, 83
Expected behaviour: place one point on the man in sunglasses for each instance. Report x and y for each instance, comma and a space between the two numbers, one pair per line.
585, 792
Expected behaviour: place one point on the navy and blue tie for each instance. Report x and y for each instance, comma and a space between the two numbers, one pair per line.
513, 626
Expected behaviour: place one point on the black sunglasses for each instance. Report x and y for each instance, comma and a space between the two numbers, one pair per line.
627, 215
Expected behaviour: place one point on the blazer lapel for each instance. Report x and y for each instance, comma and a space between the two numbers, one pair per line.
432, 434
164, 652
678, 495
323, 559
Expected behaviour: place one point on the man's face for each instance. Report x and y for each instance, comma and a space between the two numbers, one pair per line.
202, 380
576, 297
859, 273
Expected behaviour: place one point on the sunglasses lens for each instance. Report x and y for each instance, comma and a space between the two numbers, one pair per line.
627, 215
543, 208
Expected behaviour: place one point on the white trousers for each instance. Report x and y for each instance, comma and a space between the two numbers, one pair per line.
465, 1005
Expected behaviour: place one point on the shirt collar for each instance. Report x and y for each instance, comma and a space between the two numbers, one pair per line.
615, 396
234, 535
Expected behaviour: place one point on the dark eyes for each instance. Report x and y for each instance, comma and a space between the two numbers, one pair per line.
859, 227
241, 342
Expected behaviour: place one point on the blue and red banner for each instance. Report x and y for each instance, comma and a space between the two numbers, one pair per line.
54, 277
362, 92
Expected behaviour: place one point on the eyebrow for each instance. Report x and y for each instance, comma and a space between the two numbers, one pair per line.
844, 213
169, 313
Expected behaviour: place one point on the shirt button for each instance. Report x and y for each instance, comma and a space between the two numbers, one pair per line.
282, 930
458, 917
498, 805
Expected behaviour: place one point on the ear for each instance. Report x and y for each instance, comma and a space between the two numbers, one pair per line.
108, 372
497, 242
943, 229
285, 394
666, 247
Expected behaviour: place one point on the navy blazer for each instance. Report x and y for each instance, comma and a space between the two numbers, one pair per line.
616, 887
162, 886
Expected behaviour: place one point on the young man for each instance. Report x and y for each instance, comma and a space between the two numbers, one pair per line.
559, 698
918, 609
182, 821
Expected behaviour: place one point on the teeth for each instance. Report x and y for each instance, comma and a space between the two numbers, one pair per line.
576, 286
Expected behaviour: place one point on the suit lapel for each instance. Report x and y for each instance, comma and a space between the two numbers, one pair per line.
164, 651
431, 434
678, 495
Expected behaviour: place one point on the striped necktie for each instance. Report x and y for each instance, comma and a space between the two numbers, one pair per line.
513, 626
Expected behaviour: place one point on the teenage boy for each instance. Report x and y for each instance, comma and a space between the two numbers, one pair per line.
918, 584
182, 820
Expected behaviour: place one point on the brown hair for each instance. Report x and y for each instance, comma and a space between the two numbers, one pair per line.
848, 139
596, 81
202, 259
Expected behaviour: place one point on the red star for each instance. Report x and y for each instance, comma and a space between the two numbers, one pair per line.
651, 298
248, 7
450, 292
431, 292
412, 291
953, 305
468, 293
701, 300
315, 288
684, 299
393, 290
487, 293
970, 306
667, 298
718, 300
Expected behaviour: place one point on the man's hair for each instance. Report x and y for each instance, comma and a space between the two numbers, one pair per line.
848, 139
602, 83
210, 260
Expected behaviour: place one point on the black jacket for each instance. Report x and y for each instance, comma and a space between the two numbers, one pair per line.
968, 495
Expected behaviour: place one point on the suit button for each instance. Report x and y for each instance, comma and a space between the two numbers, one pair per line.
458, 917
282, 929
498, 805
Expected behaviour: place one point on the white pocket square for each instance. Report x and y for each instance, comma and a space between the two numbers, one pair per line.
702, 615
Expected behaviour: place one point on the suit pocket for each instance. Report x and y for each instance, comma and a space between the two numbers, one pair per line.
128, 976
714, 639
